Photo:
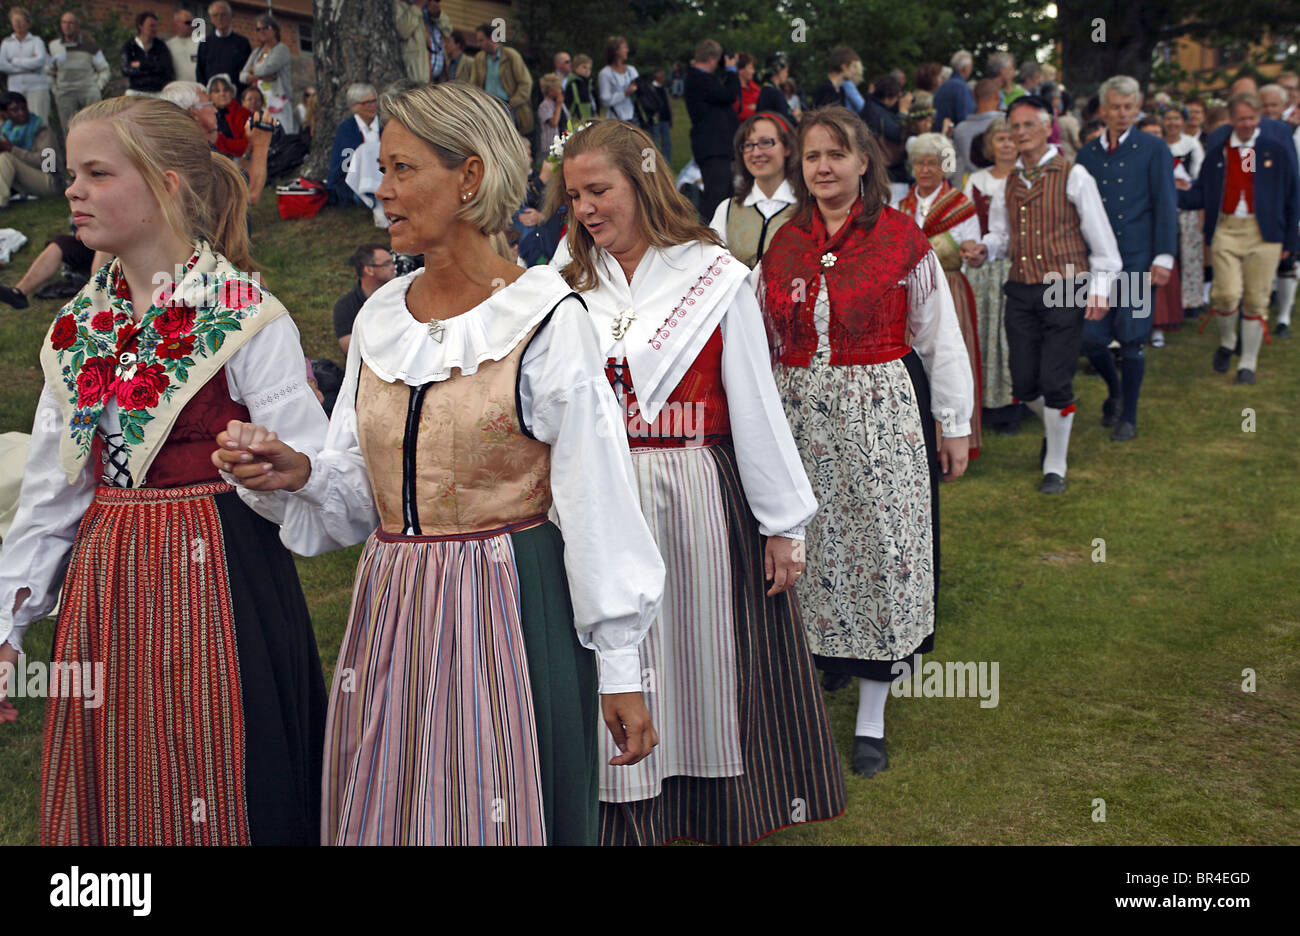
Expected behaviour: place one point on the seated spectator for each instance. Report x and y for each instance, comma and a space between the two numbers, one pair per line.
146, 61
29, 155
253, 100
232, 118
191, 97
374, 266
351, 136
61, 250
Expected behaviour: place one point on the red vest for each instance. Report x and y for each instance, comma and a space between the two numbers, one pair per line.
1238, 182
695, 413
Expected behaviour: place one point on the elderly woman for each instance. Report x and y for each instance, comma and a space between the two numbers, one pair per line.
232, 118
863, 405
269, 68
729, 678
465, 707
983, 188
356, 138
948, 218
764, 198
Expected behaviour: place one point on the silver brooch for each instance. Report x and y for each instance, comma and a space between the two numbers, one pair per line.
436, 329
828, 259
622, 322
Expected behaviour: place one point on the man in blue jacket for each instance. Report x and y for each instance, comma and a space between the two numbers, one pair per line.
1135, 175
1249, 186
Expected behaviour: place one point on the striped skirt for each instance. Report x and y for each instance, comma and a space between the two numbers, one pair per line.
463, 710
183, 612
744, 744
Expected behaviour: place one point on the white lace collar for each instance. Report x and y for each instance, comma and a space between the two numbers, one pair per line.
397, 347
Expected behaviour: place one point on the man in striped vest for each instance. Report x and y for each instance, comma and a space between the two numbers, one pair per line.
1053, 226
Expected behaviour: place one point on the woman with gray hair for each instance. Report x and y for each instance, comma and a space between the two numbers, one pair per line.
269, 69
948, 218
464, 708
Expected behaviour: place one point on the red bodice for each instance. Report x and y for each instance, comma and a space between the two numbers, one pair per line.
695, 412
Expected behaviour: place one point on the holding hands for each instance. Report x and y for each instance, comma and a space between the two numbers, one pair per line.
259, 460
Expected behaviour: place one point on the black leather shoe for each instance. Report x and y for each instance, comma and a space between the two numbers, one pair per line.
13, 297
1124, 432
869, 756
834, 681
1110, 410
1245, 375
1053, 483
1283, 331
1222, 358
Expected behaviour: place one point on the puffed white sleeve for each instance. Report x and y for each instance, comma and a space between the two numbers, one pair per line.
998, 239
966, 230
937, 340
35, 551
616, 577
1103, 251
771, 471
719, 222
335, 508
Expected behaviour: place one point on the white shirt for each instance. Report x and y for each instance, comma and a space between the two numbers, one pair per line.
614, 570
1081, 189
611, 86
24, 62
1243, 210
1190, 147
185, 57
268, 374
784, 195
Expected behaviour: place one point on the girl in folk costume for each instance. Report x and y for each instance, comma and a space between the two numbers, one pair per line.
1188, 155
764, 199
729, 679
181, 598
842, 284
983, 187
948, 218
465, 708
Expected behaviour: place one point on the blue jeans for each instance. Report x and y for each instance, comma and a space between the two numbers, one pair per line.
662, 134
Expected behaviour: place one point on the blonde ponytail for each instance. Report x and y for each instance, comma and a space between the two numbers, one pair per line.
229, 224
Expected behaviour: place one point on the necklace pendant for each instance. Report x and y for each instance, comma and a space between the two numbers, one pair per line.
436, 329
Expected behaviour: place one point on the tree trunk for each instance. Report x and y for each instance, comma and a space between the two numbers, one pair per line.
1101, 38
353, 40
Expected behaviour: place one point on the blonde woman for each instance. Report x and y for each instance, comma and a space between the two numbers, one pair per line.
983, 188
729, 681
466, 701
179, 603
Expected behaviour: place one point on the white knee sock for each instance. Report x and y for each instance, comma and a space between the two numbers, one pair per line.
1285, 298
1056, 426
1036, 405
1252, 336
871, 708
1227, 328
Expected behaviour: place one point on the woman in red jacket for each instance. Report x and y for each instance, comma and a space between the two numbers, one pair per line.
232, 119
749, 89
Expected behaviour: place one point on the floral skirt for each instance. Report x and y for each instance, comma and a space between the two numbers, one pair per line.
995, 356
867, 441
1191, 258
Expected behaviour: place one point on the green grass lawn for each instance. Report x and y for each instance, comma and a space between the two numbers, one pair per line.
1118, 680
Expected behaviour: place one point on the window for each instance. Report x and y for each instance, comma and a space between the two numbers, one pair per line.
304, 36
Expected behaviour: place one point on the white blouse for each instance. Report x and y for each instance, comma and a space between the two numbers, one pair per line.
614, 570
1190, 147
962, 232
268, 374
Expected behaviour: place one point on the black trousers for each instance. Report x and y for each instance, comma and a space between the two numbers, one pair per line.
1044, 344
715, 172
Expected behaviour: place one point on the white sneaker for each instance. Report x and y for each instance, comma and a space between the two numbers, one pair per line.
1157, 338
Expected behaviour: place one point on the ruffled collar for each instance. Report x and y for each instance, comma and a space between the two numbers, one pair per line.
398, 348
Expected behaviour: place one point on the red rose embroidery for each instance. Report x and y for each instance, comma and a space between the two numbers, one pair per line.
175, 348
127, 339
174, 321
95, 381
239, 294
142, 391
65, 333
103, 321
